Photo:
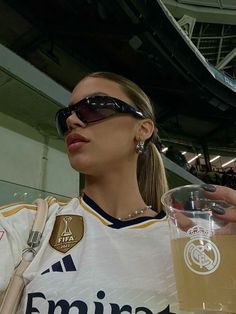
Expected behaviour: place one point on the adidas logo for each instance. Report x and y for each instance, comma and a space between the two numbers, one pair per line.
65, 265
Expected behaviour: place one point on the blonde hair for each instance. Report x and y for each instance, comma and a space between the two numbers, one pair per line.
150, 168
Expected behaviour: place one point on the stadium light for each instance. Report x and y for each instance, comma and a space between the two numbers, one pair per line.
213, 159
194, 158
228, 162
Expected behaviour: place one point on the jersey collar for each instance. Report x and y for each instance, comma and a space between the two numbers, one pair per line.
114, 222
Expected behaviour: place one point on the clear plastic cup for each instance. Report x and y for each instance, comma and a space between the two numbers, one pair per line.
203, 250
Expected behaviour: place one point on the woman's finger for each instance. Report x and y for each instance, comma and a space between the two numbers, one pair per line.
227, 195
229, 215
182, 221
218, 192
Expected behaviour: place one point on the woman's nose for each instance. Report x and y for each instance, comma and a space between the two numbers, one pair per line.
73, 122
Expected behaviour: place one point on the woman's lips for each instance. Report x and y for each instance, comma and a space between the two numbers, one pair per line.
75, 146
75, 141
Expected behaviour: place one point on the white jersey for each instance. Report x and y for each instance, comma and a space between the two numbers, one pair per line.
88, 262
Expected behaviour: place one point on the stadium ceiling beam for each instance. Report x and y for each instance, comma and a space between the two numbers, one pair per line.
221, 65
201, 13
28, 75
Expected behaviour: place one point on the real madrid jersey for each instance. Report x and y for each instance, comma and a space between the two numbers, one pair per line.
88, 262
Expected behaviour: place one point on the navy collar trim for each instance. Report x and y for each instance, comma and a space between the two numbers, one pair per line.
116, 223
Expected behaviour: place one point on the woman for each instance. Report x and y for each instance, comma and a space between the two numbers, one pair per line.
107, 252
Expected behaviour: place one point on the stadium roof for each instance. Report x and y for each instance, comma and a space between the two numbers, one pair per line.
182, 54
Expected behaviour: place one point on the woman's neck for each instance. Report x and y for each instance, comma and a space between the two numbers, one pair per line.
116, 193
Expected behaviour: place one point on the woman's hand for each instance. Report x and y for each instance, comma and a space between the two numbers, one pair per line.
226, 215
226, 194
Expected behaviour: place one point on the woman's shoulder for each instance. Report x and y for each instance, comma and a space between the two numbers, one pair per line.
30, 208
11, 209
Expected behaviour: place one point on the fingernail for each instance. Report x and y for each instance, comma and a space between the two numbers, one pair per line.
208, 187
217, 209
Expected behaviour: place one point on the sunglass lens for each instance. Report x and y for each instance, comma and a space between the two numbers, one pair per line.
91, 114
61, 124
85, 112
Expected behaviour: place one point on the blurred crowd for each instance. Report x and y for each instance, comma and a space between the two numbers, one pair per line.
225, 177
176, 156
219, 177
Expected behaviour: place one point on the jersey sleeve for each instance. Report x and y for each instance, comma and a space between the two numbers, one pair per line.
15, 225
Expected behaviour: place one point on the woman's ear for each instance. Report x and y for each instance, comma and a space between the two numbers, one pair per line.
145, 129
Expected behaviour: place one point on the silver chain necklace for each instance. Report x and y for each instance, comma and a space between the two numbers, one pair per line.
135, 213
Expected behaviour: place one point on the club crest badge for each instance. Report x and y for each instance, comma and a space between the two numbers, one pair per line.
201, 255
68, 230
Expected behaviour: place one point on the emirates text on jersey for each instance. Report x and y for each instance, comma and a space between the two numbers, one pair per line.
65, 306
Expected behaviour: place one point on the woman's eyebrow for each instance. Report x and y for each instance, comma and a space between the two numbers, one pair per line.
97, 94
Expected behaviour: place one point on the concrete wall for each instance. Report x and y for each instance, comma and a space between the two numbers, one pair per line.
29, 158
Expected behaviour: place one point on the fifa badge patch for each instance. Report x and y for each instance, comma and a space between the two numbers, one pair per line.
68, 230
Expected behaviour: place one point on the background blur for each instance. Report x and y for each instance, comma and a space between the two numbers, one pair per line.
181, 52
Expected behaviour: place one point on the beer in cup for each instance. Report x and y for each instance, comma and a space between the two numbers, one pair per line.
203, 250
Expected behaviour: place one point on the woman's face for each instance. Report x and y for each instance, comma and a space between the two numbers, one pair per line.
103, 145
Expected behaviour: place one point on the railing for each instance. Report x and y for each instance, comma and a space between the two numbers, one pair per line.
13, 193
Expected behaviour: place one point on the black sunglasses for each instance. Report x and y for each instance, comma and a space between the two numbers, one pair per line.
92, 109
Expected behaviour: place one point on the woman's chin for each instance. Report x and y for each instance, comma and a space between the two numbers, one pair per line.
79, 164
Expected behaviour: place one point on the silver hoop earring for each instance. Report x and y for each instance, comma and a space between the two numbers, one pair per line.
140, 147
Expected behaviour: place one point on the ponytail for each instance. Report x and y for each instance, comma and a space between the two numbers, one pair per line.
151, 176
